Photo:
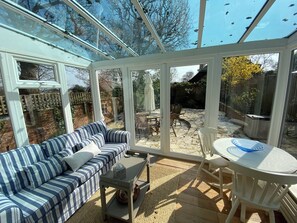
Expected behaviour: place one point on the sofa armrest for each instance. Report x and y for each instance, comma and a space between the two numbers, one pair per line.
9, 211
118, 136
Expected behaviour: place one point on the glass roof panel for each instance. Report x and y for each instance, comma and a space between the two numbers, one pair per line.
23, 24
60, 14
280, 21
226, 21
123, 20
176, 22
110, 47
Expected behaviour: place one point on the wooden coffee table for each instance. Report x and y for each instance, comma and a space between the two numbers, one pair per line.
135, 164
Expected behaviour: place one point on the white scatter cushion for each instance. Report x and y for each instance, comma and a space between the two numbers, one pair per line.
82, 156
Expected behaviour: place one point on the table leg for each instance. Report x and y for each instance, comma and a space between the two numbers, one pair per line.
103, 202
130, 205
148, 175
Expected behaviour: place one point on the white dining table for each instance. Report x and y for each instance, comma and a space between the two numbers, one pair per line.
269, 158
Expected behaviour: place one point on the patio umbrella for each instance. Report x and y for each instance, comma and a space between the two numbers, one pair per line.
149, 96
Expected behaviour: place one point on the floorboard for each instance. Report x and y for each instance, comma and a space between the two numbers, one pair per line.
197, 201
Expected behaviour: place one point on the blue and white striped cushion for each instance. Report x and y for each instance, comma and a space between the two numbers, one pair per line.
43, 171
36, 203
83, 133
74, 201
88, 130
118, 136
9, 211
12, 175
60, 157
98, 139
81, 145
55, 145
113, 149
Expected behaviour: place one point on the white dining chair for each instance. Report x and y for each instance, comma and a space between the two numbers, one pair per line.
216, 163
262, 190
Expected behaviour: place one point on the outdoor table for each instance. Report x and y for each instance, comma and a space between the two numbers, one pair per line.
269, 158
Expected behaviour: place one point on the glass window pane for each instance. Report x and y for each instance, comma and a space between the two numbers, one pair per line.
38, 72
289, 135
22, 24
43, 113
124, 21
112, 98
247, 92
280, 21
176, 22
146, 97
226, 21
78, 81
7, 141
187, 107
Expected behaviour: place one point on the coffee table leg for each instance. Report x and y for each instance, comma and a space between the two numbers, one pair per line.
148, 175
103, 202
130, 206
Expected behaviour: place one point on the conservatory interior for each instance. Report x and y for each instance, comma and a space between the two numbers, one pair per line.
158, 69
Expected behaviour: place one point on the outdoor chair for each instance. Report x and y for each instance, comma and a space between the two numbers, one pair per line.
216, 163
172, 118
141, 124
176, 109
262, 190
145, 127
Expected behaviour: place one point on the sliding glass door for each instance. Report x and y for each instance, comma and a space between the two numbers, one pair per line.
146, 107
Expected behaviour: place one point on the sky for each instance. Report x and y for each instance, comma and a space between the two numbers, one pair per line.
226, 21
183, 70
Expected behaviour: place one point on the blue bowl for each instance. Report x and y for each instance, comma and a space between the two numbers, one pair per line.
247, 145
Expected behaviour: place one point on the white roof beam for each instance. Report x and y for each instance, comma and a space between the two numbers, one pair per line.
148, 24
257, 19
201, 22
93, 20
28, 14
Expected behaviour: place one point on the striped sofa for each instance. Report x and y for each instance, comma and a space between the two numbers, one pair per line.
36, 184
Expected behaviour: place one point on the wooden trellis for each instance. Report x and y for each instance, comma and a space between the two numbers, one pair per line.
46, 101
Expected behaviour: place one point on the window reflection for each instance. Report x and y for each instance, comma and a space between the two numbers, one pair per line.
78, 81
289, 135
7, 140
38, 72
112, 98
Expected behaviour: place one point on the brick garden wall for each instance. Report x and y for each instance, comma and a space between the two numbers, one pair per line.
46, 123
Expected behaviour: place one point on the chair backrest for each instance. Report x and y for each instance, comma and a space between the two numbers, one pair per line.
176, 108
207, 136
141, 120
264, 189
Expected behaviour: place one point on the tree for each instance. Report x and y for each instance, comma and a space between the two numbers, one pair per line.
170, 18
236, 72
267, 61
239, 69
187, 76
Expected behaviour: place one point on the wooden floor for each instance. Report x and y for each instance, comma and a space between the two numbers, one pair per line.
197, 201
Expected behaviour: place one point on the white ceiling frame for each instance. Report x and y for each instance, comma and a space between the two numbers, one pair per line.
93, 20
28, 14
201, 22
148, 24
257, 19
